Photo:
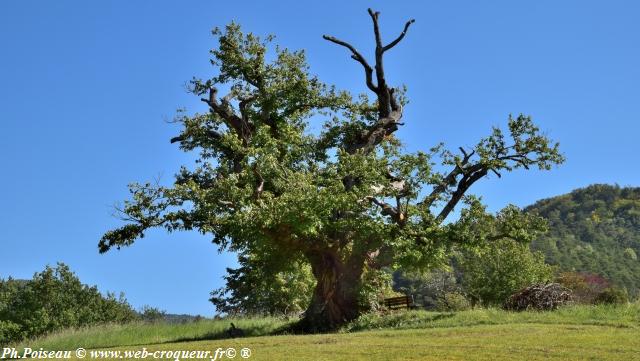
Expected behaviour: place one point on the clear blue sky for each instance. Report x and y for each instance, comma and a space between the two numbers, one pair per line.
86, 88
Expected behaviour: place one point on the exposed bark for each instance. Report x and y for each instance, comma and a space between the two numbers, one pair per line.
389, 109
448, 181
335, 298
463, 175
468, 178
240, 124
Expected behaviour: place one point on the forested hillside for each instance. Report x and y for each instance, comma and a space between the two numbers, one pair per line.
596, 230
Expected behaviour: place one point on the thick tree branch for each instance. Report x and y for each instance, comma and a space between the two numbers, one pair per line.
449, 180
244, 103
399, 38
178, 138
467, 181
388, 210
384, 97
368, 70
496, 157
243, 128
389, 109
392, 177
376, 29
210, 133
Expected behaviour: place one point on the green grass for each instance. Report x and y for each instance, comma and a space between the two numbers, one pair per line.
571, 333
150, 333
487, 342
600, 315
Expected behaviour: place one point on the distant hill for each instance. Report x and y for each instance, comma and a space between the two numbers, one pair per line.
594, 229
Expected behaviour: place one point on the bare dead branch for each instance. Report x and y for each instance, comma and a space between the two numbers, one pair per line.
368, 70
389, 109
399, 38
376, 29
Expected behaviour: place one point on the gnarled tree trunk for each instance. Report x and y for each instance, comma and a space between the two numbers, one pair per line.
335, 298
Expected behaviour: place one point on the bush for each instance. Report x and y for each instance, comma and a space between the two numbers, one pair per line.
55, 299
453, 301
263, 287
612, 295
540, 297
631, 254
494, 272
152, 314
9, 332
376, 287
585, 287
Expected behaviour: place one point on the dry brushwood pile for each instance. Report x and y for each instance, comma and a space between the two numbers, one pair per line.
539, 297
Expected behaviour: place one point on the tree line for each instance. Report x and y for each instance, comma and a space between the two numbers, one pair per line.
55, 299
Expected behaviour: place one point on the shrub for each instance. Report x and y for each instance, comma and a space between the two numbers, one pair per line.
539, 297
152, 314
631, 254
55, 299
453, 301
612, 295
9, 332
585, 286
375, 289
494, 272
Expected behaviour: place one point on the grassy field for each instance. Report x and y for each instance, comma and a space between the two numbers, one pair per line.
573, 333
134, 334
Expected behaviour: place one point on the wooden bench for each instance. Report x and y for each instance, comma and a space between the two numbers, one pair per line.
399, 302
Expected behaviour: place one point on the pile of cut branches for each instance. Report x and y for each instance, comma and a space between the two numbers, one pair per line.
540, 297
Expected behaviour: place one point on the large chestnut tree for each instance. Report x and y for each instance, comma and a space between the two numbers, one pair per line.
344, 198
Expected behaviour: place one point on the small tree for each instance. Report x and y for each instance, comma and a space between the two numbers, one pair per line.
344, 200
494, 272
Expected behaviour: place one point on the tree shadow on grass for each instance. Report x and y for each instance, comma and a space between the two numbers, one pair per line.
393, 320
398, 320
252, 331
